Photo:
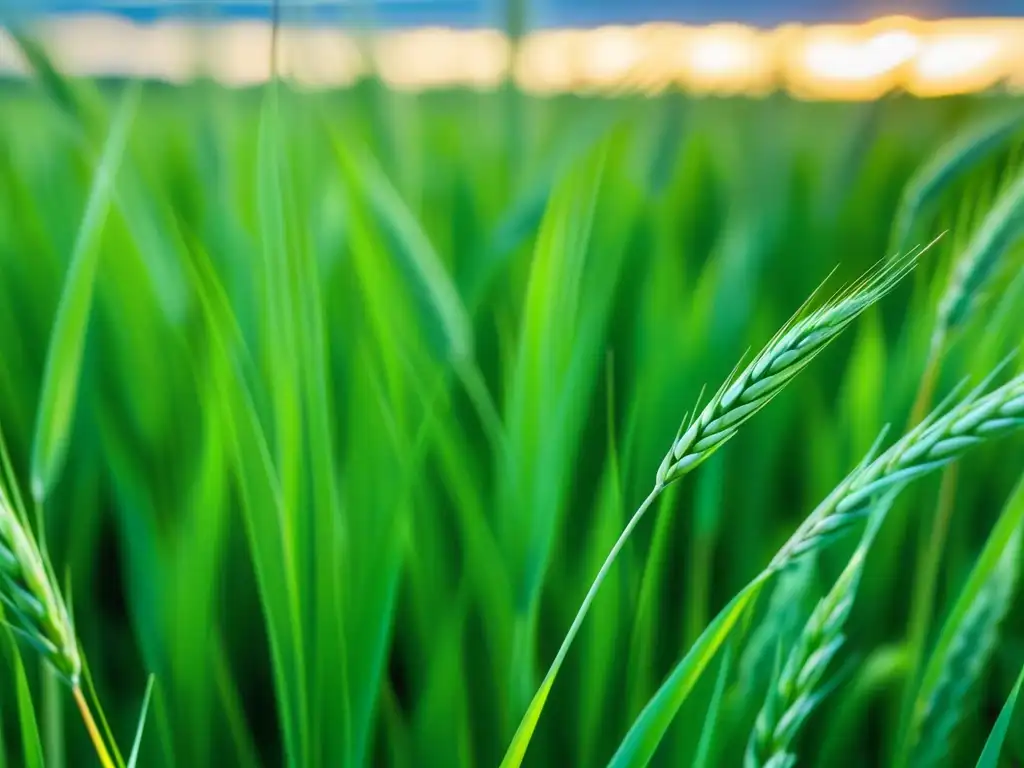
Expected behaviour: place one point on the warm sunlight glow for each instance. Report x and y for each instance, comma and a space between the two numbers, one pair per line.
728, 59
611, 54
545, 63
846, 62
441, 58
849, 62
957, 64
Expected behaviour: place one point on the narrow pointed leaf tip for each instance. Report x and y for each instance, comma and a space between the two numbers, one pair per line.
133, 758
994, 746
67, 339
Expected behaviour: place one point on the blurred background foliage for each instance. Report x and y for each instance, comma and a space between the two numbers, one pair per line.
373, 380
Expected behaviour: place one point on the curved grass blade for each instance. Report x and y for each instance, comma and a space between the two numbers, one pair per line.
31, 742
133, 758
80, 104
279, 252
1001, 229
967, 639
441, 308
263, 513
144, 209
644, 737
706, 746
994, 745
67, 339
953, 160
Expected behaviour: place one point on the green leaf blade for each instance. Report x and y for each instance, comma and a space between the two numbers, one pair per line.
67, 339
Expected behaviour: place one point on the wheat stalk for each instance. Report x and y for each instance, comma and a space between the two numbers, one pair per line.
939, 440
740, 397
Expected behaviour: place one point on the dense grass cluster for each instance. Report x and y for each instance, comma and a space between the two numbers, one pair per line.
340, 414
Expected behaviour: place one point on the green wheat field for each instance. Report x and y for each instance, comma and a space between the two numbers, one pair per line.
323, 412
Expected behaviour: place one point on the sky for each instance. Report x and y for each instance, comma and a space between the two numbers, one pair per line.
546, 13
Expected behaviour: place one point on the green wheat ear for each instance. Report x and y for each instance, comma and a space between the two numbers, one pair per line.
799, 687
789, 352
34, 606
1001, 230
935, 443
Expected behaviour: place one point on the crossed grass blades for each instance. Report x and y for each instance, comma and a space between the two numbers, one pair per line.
741, 396
952, 429
797, 690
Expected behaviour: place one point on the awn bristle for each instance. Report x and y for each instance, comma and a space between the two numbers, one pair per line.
34, 607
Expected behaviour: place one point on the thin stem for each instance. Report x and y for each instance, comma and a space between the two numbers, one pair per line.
926, 389
53, 716
638, 665
90, 726
697, 604
933, 543
603, 573
585, 605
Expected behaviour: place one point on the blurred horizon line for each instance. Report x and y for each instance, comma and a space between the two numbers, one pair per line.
844, 62
533, 14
